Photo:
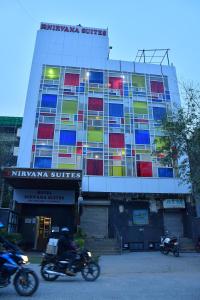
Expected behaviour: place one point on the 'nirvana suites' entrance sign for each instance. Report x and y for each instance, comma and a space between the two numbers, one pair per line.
42, 174
44, 196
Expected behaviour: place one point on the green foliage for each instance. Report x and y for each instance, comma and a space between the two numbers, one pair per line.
79, 238
15, 238
80, 242
183, 131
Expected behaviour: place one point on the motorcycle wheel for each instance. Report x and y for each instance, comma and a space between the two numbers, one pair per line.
91, 271
197, 248
176, 253
45, 275
26, 283
165, 252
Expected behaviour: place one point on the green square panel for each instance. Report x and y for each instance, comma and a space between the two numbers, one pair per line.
95, 135
51, 73
140, 107
138, 81
117, 171
69, 107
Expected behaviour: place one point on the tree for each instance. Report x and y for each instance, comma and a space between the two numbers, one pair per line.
183, 140
6, 159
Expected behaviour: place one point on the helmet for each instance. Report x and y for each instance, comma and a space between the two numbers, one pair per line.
65, 231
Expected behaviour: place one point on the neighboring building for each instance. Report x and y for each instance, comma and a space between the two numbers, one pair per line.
86, 112
9, 143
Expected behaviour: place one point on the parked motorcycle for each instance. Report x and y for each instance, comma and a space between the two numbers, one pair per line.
169, 244
52, 267
197, 245
12, 261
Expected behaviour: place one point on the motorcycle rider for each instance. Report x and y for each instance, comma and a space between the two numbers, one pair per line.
67, 248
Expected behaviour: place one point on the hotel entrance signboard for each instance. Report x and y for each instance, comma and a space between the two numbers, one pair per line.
44, 196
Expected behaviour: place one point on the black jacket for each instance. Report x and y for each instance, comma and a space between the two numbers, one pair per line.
65, 244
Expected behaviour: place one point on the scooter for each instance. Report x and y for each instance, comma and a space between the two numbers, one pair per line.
169, 244
12, 261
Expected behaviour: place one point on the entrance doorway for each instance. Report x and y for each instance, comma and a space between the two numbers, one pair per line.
94, 221
43, 230
173, 223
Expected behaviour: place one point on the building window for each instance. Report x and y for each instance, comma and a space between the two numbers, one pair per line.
144, 169
95, 104
138, 81
49, 100
115, 83
69, 107
165, 172
140, 107
157, 87
42, 162
142, 137
116, 110
117, 171
116, 140
159, 113
94, 167
51, 73
140, 217
45, 131
96, 77
71, 79
95, 135
67, 137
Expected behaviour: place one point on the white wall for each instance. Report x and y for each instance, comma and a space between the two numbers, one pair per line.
133, 185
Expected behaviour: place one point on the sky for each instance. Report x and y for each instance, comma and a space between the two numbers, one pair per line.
132, 25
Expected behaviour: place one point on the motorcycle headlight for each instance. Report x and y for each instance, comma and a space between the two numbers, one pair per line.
24, 258
89, 254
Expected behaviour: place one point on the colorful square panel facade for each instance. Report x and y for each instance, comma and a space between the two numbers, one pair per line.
105, 123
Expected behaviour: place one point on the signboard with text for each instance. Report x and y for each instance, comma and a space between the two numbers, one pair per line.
42, 174
173, 203
74, 29
44, 196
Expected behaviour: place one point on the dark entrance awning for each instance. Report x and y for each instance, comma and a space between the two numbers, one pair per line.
26, 178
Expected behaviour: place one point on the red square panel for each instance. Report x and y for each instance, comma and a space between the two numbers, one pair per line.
71, 79
115, 83
95, 104
45, 131
144, 169
94, 167
116, 140
157, 87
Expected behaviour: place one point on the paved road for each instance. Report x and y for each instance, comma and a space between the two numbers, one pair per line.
132, 276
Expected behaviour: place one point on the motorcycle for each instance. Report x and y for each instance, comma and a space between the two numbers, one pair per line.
197, 245
52, 267
12, 261
169, 244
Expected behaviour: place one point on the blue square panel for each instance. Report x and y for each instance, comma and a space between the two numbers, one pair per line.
67, 137
142, 137
165, 172
159, 113
96, 77
116, 110
42, 162
49, 100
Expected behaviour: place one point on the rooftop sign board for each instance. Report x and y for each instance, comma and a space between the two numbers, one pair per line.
73, 29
